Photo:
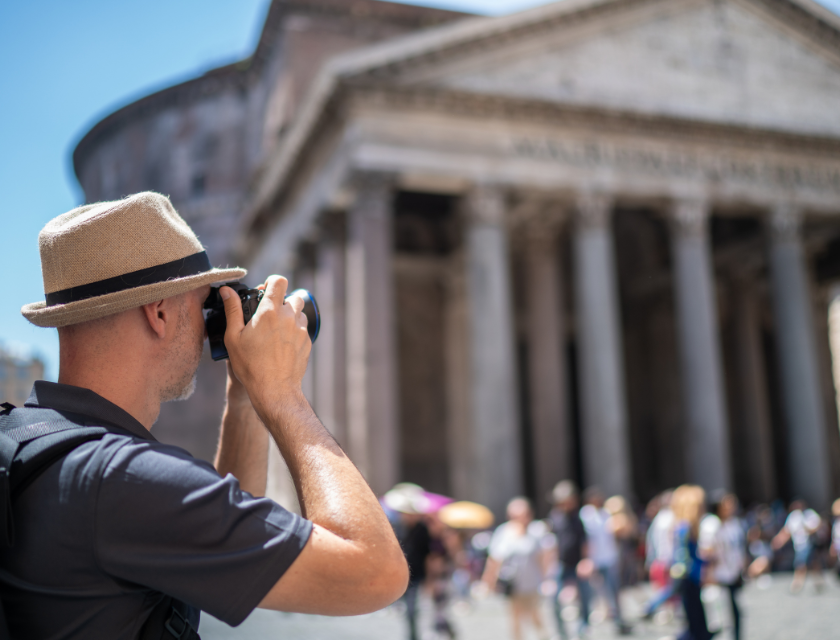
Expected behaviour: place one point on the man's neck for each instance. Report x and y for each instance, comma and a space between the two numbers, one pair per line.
117, 385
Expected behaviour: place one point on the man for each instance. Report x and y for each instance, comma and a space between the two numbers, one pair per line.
567, 527
659, 554
603, 555
518, 561
117, 523
407, 500
800, 526
727, 550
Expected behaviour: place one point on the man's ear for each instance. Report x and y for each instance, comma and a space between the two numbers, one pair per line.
160, 316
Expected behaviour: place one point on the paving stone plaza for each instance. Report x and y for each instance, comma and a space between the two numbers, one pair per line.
769, 613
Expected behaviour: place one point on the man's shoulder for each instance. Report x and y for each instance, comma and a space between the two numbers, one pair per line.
127, 461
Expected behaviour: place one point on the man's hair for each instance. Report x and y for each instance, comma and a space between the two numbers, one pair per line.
519, 501
564, 490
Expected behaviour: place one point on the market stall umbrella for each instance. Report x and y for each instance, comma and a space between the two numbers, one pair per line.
466, 515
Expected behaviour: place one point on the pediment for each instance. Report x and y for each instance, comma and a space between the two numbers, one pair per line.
712, 60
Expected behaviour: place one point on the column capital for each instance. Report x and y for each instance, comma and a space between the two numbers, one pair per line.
373, 191
364, 180
785, 222
542, 230
485, 203
593, 209
690, 217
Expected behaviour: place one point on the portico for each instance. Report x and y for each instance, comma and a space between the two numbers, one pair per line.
531, 274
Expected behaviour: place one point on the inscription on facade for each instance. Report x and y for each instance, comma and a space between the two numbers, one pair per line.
682, 163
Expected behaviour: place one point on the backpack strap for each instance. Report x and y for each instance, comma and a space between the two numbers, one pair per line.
169, 620
31, 440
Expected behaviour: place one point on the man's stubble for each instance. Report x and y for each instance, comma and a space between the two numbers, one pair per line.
185, 358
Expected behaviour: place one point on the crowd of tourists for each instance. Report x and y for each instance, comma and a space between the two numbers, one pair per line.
591, 546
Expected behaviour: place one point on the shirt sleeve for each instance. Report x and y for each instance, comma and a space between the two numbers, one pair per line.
498, 545
169, 522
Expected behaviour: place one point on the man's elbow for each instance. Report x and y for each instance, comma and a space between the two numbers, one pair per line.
388, 582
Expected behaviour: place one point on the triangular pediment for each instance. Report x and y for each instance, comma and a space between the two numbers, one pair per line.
729, 61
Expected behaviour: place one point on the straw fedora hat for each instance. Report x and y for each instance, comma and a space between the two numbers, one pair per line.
103, 258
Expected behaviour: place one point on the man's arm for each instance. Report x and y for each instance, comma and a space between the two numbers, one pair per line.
352, 563
243, 441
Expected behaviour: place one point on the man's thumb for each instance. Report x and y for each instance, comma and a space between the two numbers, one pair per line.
233, 309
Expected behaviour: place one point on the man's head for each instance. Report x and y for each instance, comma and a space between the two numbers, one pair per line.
124, 283
519, 510
162, 339
565, 496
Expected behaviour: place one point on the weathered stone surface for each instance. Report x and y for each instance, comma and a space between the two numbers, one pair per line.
717, 61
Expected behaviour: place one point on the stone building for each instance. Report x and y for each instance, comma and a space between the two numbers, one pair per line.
593, 240
17, 375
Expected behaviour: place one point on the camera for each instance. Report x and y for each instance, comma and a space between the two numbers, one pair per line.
216, 321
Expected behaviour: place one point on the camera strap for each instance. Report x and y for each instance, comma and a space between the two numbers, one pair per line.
31, 440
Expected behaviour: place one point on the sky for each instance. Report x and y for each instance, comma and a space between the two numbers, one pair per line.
68, 64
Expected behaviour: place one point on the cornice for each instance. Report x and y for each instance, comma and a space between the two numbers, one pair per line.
460, 41
472, 37
239, 76
821, 25
344, 99
605, 121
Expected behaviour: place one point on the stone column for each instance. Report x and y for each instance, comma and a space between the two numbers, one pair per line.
459, 437
606, 458
494, 409
372, 429
704, 402
752, 383
796, 343
329, 352
546, 351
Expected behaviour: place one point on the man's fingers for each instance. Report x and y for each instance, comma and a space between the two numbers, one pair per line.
275, 288
297, 303
233, 310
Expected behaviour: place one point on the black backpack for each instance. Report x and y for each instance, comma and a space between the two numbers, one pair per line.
32, 439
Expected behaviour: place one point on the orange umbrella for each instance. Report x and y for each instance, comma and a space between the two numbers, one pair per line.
466, 515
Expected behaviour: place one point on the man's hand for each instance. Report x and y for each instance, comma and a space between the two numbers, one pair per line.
352, 563
268, 355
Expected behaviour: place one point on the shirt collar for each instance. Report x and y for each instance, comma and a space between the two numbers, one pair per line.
65, 397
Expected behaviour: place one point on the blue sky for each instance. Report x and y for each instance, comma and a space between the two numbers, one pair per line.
67, 64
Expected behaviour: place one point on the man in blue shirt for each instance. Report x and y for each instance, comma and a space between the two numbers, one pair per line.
121, 522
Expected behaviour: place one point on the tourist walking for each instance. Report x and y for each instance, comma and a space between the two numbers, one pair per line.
688, 504
567, 527
602, 552
518, 563
409, 504
801, 525
729, 555
659, 554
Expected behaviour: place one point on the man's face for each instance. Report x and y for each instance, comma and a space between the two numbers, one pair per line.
187, 345
569, 504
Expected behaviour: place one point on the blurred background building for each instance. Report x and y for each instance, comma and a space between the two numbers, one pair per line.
17, 375
594, 239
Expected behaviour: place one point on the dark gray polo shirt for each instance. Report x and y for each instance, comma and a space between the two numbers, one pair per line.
119, 521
